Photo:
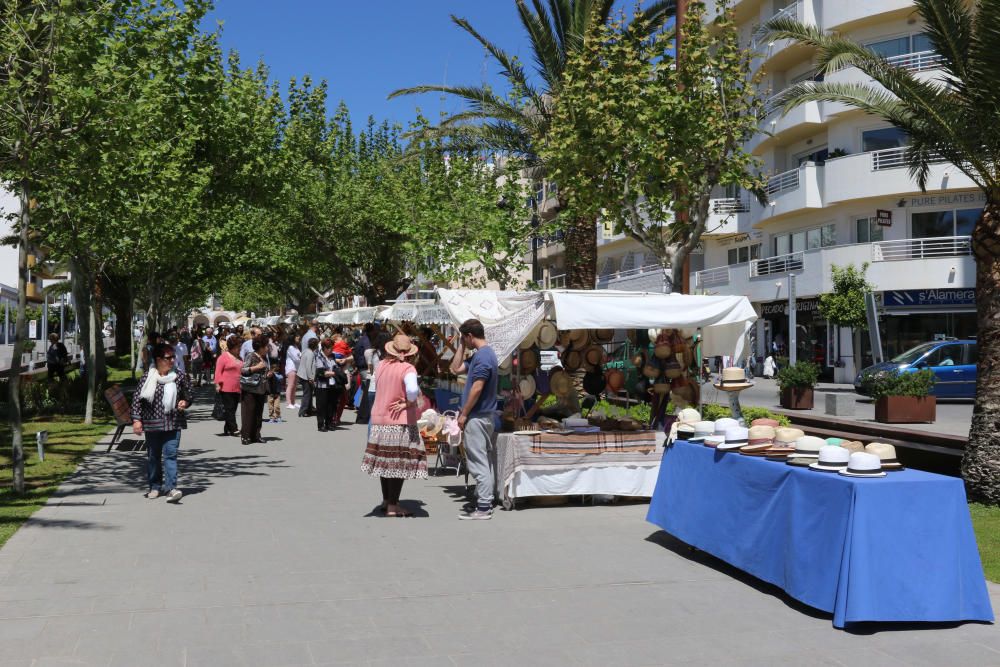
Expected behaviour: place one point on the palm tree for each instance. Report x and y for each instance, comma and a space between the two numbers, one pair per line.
953, 119
515, 125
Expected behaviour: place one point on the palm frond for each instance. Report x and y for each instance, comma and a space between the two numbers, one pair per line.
858, 95
657, 14
949, 26
983, 60
511, 69
550, 59
480, 99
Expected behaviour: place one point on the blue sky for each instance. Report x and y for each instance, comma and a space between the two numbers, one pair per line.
368, 49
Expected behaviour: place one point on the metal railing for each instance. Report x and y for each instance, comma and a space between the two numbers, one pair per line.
894, 158
938, 246
712, 277
729, 205
783, 182
917, 61
556, 282
780, 264
761, 32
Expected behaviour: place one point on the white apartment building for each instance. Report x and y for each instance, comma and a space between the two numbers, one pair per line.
840, 194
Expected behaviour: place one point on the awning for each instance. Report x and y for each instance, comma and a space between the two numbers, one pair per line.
507, 317
422, 311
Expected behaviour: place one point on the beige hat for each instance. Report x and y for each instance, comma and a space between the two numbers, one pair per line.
887, 453
572, 359
565, 338
529, 340
547, 335
787, 436
560, 382
527, 386
765, 421
593, 357
401, 347
760, 435
853, 446
688, 416
733, 379
579, 338
604, 335
808, 446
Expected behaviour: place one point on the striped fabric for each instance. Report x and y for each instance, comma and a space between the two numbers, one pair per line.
594, 443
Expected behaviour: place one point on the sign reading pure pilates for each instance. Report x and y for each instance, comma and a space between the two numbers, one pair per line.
951, 199
883, 217
780, 308
929, 298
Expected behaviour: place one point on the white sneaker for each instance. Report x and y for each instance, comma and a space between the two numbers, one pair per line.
174, 496
292, 406
153, 494
476, 515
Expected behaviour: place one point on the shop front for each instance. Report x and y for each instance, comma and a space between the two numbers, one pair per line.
813, 336
912, 317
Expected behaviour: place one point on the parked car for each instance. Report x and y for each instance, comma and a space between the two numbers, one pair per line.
953, 363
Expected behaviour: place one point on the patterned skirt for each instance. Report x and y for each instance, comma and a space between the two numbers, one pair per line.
395, 451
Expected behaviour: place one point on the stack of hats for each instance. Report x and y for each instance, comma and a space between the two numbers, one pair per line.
760, 441
765, 421
831, 458
784, 441
736, 438
683, 428
863, 464
718, 435
806, 450
702, 430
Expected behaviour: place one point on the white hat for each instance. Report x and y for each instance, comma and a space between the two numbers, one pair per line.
808, 446
831, 458
702, 429
724, 423
736, 437
527, 386
688, 416
714, 440
863, 464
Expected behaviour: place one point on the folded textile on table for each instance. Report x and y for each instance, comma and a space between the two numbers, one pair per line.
594, 443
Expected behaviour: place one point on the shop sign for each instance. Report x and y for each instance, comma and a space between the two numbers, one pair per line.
883, 217
781, 307
958, 199
929, 298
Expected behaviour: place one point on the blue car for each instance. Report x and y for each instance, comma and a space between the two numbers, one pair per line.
953, 363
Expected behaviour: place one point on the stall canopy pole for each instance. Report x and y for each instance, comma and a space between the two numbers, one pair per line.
792, 324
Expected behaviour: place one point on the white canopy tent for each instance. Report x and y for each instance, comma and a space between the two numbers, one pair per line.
351, 315
418, 311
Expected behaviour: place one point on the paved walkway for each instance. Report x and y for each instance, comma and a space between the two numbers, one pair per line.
275, 558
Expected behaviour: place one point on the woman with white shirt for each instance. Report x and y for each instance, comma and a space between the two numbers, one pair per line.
395, 450
292, 357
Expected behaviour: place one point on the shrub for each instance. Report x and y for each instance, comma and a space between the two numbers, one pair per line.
803, 374
712, 411
641, 412
893, 383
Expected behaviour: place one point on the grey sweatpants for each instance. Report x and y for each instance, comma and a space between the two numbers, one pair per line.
478, 439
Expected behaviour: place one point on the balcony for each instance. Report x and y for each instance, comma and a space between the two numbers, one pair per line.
925, 64
646, 278
884, 173
945, 261
778, 54
728, 215
793, 190
855, 13
777, 127
556, 282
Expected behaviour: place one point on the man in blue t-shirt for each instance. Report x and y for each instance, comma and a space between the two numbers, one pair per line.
479, 404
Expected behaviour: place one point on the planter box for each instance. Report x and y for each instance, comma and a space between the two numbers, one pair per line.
906, 409
797, 398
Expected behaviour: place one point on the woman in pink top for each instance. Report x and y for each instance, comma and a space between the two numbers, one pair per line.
227, 381
395, 451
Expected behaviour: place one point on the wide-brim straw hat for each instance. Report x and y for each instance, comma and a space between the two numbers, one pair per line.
604, 335
863, 464
766, 421
529, 340
572, 359
733, 378
616, 380
688, 416
527, 386
887, 454
547, 335
579, 338
565, 338
593, 356
560, 382
661, 388
651, 371
401, 347
663, 350
528, 361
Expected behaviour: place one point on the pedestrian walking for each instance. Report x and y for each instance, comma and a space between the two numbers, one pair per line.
274, 390
395, 451
330, 384
292, 357
180, 352
307, 376
228, 370
479, 404
159, 413
56, 358
770, 368
209, 351
311, 332
253, 385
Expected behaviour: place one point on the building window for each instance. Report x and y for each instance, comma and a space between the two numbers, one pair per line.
945, 223
883, 138
868, 230
809, 239
900, 46
817, 156
744, 254
608, 267
629, 262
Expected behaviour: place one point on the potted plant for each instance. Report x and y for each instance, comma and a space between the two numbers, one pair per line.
795, 385
901, 398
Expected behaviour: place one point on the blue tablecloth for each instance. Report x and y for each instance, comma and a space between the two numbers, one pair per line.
897, 548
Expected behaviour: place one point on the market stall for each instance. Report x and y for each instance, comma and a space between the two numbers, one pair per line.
595, 327
890, 547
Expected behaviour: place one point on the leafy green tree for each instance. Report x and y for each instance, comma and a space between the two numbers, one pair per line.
845, 305
518, 123
949, 118
643, 140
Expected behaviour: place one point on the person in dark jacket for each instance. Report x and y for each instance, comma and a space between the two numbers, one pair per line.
159, 413
254, 396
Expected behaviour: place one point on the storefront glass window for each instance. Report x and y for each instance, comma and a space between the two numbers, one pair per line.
881, 139
937, 223
965, 221
812, 239
798, 241
782, 244
869, 231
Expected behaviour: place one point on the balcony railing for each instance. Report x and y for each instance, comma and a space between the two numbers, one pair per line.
783, 182
894, 158
556, 282
918, 61
780, 264
939, 246
712, 277
761, 33
730, 205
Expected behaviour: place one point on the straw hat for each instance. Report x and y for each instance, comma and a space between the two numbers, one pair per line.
837, 442
528, 361
723, 423
863, 464
688, 416
565, 338
560, 382
702, 429
572, 359
505, 366
604, 335
527, 386
579, 338
547, 335
529, 340
787, 437
616, 379
761, 435
652, 371
807, 447
736, 437
764, 421
831, 459
733, 379
853, 446
663, 350
886, 453
401, 347
593, 356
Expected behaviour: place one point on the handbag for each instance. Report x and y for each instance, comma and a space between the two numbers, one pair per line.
253, 380
219, 409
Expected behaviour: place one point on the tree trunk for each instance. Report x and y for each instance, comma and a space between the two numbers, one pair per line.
581, 253
20, 336
981, 462
83, 297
